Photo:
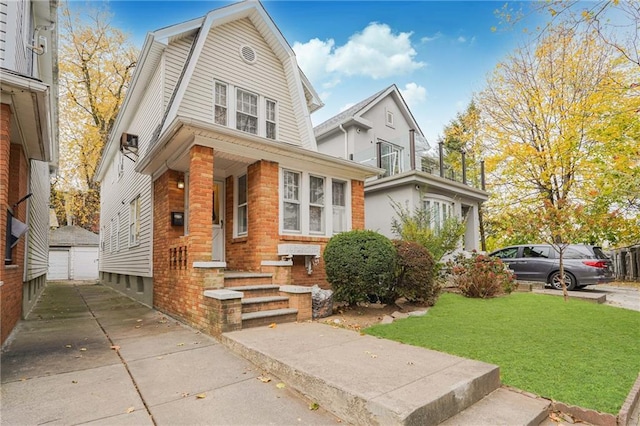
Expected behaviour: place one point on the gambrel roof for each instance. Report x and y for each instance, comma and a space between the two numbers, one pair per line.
305, 97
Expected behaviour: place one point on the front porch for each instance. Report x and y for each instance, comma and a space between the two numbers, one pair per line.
220, 260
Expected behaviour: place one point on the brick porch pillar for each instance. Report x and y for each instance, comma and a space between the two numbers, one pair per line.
263, 212
200, 203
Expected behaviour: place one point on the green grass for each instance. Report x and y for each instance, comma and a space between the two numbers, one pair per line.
575, 352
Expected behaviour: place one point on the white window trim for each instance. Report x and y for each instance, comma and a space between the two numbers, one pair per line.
134, 219
236, 206
275, 118
400, 154
389, 118
222, 83
347, 211
304, 204
441, 200
232, 100
323, 206
258, 115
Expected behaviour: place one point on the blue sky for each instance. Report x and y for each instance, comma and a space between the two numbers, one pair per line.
437, 52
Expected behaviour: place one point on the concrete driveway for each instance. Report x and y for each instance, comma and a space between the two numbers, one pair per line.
622, 297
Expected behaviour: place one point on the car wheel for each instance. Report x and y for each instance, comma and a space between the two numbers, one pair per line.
570, 281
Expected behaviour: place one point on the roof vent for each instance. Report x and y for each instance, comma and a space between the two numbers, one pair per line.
248, 54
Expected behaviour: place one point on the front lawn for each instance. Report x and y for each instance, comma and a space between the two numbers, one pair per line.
576, 352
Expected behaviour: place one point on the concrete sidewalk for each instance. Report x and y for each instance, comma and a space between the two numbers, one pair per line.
87, 354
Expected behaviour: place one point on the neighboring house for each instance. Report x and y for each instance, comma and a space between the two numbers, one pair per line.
28, 150
211, 176
381, 131
73, 254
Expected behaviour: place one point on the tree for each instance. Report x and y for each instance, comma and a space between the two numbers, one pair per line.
96, 62
613, 22
559, 125
463, 134
417, 226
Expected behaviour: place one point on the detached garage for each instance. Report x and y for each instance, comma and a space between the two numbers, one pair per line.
73, 254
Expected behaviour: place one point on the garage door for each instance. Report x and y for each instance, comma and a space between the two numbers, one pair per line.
84, 263
58, 265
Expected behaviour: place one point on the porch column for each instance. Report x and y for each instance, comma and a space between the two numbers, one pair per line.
263, 212
200, 203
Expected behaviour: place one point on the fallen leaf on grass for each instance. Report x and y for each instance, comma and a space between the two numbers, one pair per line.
130, 410
272, 325
313, 406
281, 386
264, 379
201, 395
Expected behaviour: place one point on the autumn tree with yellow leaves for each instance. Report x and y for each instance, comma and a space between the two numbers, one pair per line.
561, 130
96, 62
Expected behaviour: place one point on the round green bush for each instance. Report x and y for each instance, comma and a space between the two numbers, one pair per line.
358, 264
415, 273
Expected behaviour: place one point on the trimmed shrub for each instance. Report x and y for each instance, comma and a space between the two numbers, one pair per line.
482, 276
359, 263
415, 273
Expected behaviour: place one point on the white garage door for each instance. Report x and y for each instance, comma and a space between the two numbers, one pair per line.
84, 263
58, 265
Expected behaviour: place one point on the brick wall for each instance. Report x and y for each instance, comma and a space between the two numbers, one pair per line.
178, 287
357, 204
13, 185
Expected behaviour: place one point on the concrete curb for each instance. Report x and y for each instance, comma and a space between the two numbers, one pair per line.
623, 418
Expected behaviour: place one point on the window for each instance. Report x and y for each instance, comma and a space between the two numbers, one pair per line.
291, 196
242, 212
535, 251
439, 211
389, 156
220, 102
247, 112
316, 204
507, 253
270, 119
114, 236
338, 201
134, 222
389, 118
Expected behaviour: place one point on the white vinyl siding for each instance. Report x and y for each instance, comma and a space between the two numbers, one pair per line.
220, 60
3, 31
116, 195
38, 221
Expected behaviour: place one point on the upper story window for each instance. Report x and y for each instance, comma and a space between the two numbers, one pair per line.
250, 112
220, 103
270, 119
246, 111
388, 118
389, 156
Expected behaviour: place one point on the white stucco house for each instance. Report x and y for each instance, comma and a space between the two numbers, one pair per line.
381, 131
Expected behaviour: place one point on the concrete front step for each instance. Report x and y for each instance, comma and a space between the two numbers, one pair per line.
278, 316
365, 380
237, 279
503, 407
267, 303
263, 290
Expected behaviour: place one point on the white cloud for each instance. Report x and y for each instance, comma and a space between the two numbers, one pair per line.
431, 38
413, 94
375, 52
462, 39
313, 56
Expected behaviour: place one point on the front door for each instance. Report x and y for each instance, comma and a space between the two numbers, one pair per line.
218, 221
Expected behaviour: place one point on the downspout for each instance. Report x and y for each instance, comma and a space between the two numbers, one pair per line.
412, 148
346, 142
